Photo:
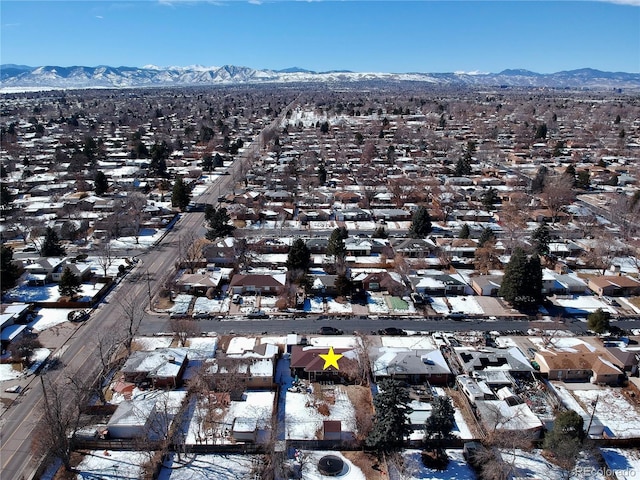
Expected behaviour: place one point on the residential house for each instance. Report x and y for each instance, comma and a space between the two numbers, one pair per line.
614, 286
307, 363
269, 284
162, 367
221, 252
414, 247
486, 285
437, 284
579, 365
379, 282
489, 358
412, 366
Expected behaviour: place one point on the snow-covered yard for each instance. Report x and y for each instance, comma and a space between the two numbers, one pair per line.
49, 293
205, 467
204, 305
376, 303
111, 464
620, 417
151, 343
313, 305
625, 463
334, 306
439, 305
49, 317
303, 418
466, 304
584, 304
414, 469
256, 405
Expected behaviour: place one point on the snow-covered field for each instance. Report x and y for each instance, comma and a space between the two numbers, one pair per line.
7, 372
457, 468
205, 467
466, 304
313, 305
303, 420
310, 467
213, 305
49, 317
335, 307
619, 417
376, 303
439, 305
584, 304
625, 463
112, 464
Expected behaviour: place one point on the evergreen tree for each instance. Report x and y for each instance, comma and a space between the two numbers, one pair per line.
420, 223
391, 421
486, 236
490, 198
441, 421
180, 195
9, 272
541, 131
5, 196
343, 285
537, 184
322, 174
70, 284
522, 281
570, 172
598, 321
566, 437
218, 222
541, 239
463, 167
51, 246
464, 231
101, 185
583, 180
335, 245
299, 256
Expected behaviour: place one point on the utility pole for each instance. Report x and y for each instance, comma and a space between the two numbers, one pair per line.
149, 290
595, 404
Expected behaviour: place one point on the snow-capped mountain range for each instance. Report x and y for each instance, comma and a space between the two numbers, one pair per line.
15, 77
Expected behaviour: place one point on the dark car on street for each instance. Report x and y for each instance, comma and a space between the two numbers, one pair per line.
330, 331
392, 331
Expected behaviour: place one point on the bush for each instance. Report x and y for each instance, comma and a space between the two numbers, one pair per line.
598, 321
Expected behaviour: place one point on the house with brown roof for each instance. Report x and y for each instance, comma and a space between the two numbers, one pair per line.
579, 365
271, 284
307, 363
614, 286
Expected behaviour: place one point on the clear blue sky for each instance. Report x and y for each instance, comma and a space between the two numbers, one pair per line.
380, 36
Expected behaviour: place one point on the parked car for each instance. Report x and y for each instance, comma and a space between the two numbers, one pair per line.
392, 331
237, 299
78, 315
330, 331
257, 314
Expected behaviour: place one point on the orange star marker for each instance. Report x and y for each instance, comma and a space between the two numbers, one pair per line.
331, 359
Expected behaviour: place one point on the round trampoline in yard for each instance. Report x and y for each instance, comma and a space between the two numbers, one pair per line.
331, 465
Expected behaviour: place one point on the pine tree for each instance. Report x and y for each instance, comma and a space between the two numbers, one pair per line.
51, 245
70, 284
101, 185
335, 245
218, 222
441, 421
522, 281
9, 272
490, 198
322, 174
180, 195
420, 223
486, 236
598, 321
391, 421
464, 231
299, 256
541, 239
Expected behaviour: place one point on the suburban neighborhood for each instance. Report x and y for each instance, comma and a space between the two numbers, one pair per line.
355, 283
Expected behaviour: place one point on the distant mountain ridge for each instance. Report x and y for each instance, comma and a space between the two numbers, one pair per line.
15, 77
